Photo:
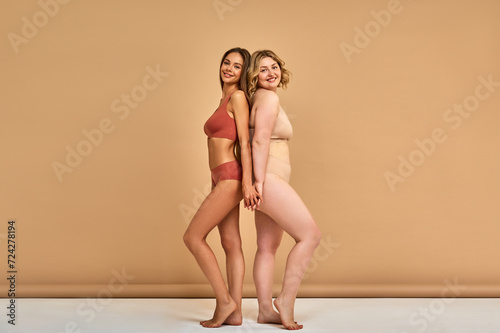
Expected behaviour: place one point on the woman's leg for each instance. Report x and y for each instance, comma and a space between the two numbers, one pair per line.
269, 236
284, 206
214, 208
229, 230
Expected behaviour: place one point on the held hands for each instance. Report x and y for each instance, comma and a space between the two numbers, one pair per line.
258, 188
252, 196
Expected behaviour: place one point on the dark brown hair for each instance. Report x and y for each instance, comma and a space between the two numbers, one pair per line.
246, 62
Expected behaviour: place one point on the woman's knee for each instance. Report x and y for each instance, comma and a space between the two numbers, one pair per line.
312, 236
316, 236
187, 239
190, 240
269, 246
231, 243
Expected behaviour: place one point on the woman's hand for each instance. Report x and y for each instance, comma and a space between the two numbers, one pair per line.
251, 197
258, 188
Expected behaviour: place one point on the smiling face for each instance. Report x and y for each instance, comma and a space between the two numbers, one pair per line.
269, 74
230, 70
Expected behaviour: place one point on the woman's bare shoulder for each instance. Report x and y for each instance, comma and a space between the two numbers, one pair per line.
266, 97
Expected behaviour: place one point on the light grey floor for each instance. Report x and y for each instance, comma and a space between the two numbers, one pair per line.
340, 315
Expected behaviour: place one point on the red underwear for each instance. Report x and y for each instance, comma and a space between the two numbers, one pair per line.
225, 171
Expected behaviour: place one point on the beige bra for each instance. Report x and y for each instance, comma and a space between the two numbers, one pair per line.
282, 130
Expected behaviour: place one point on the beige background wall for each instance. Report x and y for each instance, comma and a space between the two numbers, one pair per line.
401, 215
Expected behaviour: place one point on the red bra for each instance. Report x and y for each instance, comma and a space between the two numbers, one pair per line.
220, 124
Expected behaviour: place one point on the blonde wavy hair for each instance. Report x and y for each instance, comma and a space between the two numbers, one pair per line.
254, 69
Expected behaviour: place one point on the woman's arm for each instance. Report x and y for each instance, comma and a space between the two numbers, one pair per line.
239, 106
266, 108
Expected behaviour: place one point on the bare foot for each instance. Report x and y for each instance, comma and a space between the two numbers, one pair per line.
235, 318
221, 313
286, 314
269, 317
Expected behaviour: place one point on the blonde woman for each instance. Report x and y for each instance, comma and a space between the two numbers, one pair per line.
231, 181
282, 209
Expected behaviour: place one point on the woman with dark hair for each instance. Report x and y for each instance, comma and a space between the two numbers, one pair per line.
231, 181
283, 209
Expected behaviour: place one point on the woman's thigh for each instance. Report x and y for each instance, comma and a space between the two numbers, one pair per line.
284, 206
216, 206
269, 233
